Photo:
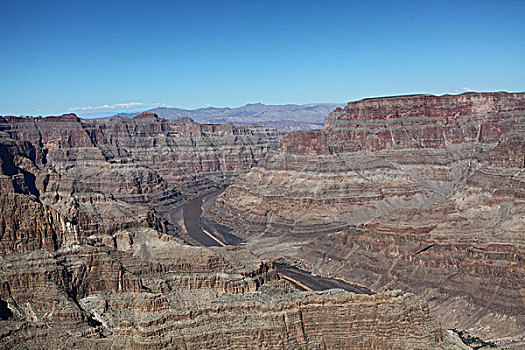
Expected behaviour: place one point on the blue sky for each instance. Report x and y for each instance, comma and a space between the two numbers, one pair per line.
97, 57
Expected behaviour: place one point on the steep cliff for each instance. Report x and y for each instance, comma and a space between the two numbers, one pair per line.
143, 290
87, 259
422, 193
140, 289
102, 174
176, 152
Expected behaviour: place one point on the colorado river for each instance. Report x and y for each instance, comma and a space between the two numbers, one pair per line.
305, 280
302, 279
192, 221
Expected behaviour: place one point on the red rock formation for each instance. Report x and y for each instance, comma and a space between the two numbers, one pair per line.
427, 192
509, 153
419, 121
85, 261
182, 152
99, 174
445, 107
156, 293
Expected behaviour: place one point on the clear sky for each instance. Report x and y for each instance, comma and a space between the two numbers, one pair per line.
95, 57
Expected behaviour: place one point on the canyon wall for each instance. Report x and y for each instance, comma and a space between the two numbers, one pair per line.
88, 260
102, 174
143, 290
422, 193
178, 153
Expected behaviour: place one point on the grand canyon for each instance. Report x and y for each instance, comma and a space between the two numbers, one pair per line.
400, 224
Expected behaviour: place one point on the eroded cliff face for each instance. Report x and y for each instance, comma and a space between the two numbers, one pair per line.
140, 289
143, 156
89, 260
422, 193
101, 175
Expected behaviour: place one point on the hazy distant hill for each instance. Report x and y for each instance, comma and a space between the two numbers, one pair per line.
283, 117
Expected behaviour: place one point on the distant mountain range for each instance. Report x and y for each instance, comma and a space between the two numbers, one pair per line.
288, 117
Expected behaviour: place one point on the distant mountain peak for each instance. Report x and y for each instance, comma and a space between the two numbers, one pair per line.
287, 117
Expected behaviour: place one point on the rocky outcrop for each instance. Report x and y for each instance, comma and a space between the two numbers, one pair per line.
111, 174
36, 215
419, 121
86, 260
373, 156
143, 290
464, 254
160, 152
422, 193
17, 166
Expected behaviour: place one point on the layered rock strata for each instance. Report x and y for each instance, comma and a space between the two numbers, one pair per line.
146, 153
85, 261
140, 289
99, 175
423, 193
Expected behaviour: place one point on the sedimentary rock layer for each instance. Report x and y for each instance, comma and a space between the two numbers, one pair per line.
139, 289
99, 175
423, 193
85, 261
178, 152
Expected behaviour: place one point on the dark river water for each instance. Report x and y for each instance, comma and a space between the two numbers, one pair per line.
300, 278
192, 221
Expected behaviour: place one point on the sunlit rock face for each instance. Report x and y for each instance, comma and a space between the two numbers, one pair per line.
160, 153
88, 261
137, 288
104, 175
141, 289
168, 295
422, 193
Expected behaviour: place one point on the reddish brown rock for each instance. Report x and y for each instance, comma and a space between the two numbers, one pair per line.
422, 193
103, 176
510, 152
183, 153
159, 294
86, 262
